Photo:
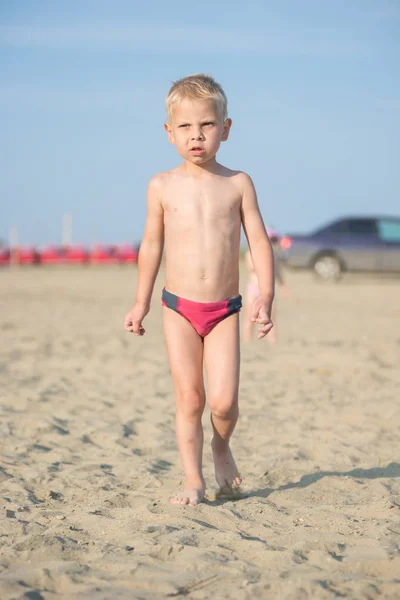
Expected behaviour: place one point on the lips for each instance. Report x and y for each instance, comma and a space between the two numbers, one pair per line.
197, 150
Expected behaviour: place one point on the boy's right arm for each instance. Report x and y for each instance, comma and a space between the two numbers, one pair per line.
149, 260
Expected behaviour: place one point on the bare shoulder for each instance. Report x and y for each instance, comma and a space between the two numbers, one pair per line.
242, 181
158, 181
161, 180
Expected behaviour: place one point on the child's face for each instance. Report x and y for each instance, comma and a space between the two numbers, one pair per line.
197, 130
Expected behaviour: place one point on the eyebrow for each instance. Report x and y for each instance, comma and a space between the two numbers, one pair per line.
203, 120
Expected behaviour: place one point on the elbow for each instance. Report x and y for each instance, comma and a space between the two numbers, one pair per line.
151, 247
261, 242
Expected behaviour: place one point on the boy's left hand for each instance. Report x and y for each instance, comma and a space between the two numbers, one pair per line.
260, 313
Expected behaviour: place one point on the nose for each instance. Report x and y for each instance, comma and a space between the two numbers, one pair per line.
197, 135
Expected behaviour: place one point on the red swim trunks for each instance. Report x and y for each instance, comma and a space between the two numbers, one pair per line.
203, 316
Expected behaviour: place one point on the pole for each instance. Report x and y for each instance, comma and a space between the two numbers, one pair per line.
13, 240
66, 231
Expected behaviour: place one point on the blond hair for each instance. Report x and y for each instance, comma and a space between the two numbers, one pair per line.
194, 87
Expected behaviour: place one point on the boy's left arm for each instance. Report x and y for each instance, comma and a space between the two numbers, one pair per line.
261, 253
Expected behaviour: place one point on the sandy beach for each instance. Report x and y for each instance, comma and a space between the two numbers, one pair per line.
88, 457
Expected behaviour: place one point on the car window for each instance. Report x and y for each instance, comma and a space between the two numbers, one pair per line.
354, 227
389, 231
362, 227
340, 227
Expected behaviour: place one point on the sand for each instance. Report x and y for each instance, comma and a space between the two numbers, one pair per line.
88, 454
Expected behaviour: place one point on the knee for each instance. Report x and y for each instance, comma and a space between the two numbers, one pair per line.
223, 407
190, 402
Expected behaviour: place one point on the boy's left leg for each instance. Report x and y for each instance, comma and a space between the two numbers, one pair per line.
222, 362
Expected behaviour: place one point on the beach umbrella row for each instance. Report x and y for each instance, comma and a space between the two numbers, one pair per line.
71, 255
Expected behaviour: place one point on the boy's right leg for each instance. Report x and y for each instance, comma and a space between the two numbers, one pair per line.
185, 352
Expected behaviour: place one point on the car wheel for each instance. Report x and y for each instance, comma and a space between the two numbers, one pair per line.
327, 267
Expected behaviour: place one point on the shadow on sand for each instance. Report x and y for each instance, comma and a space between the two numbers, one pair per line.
392, 470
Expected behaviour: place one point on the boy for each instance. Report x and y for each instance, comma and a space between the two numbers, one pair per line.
197, 209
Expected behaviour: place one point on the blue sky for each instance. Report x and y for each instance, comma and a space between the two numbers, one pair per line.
313, 89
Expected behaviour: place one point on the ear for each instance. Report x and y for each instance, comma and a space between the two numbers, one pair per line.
226, 129
170, 133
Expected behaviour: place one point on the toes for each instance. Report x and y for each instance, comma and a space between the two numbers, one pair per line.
233, 483
183, 500
178, 500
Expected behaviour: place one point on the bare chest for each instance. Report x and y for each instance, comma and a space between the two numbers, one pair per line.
201, 203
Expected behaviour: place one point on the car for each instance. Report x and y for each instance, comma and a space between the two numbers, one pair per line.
369, 244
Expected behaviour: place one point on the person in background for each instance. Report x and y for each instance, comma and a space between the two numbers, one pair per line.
253, 291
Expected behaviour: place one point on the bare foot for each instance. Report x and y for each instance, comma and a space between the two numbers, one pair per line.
189, 496
226, 472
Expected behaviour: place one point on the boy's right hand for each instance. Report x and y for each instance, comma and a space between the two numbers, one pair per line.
133, 320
